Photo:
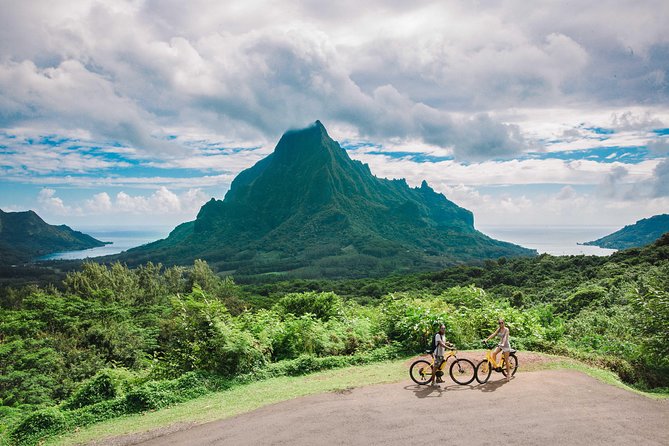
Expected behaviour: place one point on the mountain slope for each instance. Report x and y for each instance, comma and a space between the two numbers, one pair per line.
311, 211
640, 233
24, 236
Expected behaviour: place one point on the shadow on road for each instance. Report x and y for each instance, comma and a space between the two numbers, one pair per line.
429, 391
491, 386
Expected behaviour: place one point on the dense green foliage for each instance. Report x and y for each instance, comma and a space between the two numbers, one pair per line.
308, 210
639, 234
24, 236
113, 340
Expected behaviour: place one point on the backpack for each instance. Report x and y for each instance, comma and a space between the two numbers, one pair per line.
433, 346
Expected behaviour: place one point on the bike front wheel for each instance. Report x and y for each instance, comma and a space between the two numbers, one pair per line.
462, 371
421, 372
483, 371
513, 365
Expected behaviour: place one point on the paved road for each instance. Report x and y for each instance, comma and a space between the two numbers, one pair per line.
557, 407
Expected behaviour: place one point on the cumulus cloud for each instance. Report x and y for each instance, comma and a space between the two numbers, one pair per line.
629, 120
70, 96
517, 172
436, 71
162, 201
620, 183
162, 85
100, 203
660, 182
541, 207
52, 204
159, 203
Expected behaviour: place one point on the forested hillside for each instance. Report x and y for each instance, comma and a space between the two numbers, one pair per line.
114, 340
639, 234
24, 236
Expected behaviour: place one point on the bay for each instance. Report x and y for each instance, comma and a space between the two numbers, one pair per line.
122, 238
554, 240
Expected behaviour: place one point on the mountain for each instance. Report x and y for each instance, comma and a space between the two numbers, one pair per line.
640, 233
308, 210
24, 236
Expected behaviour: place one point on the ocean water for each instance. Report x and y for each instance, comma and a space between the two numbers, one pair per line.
122, 238
554, 240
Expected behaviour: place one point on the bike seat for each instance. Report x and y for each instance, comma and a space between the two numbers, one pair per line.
428, 352
513, 350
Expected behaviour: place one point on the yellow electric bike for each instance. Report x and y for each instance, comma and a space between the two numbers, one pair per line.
485, 368
462, 371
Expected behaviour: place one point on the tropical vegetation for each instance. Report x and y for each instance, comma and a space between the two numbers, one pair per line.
110, 340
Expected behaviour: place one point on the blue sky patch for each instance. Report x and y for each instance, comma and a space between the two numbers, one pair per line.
630, 155
600, 130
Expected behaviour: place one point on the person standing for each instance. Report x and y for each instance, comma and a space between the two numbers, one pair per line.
439, 352
504, 346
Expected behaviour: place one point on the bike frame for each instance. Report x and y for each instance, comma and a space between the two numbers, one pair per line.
492, 361
449, 354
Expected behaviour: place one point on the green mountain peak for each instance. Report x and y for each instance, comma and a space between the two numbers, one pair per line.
309, 210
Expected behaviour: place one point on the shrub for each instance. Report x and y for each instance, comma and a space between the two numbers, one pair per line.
99, 388
201, 335
323, 306
38, 425
105, 385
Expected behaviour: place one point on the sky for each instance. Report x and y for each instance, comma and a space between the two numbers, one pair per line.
527, 113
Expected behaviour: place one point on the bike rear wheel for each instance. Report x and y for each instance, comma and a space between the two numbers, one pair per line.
462, 371
513, 365
421, 372
483, 371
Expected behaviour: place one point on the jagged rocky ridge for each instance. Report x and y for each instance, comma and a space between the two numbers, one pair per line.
309, 210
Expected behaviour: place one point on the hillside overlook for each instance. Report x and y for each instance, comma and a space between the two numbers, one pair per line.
24, 236
639, 234
309, 210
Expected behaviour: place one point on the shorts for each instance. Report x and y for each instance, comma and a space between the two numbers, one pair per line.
437, 361
505, 349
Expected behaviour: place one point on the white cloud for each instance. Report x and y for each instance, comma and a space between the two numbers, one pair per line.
162, 202
100, 203
178, 88
437, 71
620, 184
629, 120
70, 96
567, 207
26, 155
221, 182
52, 204
518, 172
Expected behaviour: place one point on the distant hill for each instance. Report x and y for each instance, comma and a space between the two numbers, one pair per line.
640, 233
308, 210
24, 236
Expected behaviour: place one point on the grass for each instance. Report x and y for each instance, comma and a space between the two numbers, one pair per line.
241, 399
245, 398
605, 376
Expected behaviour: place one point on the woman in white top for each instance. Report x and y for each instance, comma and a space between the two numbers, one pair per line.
502, 333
